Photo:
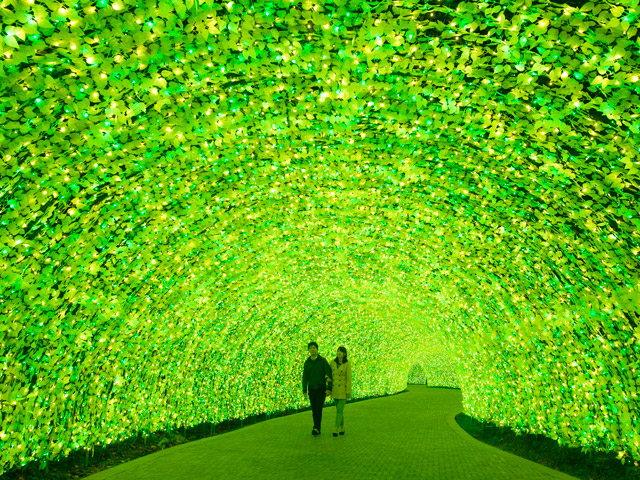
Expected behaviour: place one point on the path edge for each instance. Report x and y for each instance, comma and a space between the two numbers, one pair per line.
451, 421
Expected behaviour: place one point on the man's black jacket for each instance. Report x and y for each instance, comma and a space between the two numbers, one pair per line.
315, 373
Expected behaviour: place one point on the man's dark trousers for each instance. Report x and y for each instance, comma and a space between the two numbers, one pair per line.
317, 396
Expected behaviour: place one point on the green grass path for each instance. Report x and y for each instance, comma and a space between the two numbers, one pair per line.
408, 436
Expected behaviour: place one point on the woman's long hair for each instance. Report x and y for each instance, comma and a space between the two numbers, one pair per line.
344, 358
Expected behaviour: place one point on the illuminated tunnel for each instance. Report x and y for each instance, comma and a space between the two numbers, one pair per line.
191, 192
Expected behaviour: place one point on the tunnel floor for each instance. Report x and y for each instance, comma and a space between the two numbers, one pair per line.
413, 435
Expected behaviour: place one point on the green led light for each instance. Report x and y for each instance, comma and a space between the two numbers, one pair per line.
450, 196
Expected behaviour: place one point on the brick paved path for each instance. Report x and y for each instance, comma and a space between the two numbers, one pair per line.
407, 436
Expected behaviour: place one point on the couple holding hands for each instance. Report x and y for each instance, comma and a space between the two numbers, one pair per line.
322, 379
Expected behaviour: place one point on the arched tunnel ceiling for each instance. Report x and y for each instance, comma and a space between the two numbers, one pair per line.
191, 192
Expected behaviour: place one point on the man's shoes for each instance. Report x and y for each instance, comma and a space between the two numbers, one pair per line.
342, 432
315, 432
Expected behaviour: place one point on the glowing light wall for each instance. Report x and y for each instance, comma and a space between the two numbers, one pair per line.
190, 192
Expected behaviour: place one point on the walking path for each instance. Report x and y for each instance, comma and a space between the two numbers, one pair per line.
413, 435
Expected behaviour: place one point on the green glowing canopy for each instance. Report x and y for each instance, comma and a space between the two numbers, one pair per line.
190, 192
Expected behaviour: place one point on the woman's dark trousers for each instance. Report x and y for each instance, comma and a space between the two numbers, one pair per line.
317, 396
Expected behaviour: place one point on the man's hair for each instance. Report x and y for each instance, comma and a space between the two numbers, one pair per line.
314, 344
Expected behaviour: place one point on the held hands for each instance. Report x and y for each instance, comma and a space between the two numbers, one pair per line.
329, 380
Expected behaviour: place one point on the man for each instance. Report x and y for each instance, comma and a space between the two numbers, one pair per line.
315, 374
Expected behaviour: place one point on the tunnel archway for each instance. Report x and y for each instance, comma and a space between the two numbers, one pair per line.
192, 192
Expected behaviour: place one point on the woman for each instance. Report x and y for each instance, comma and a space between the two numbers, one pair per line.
341, 390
